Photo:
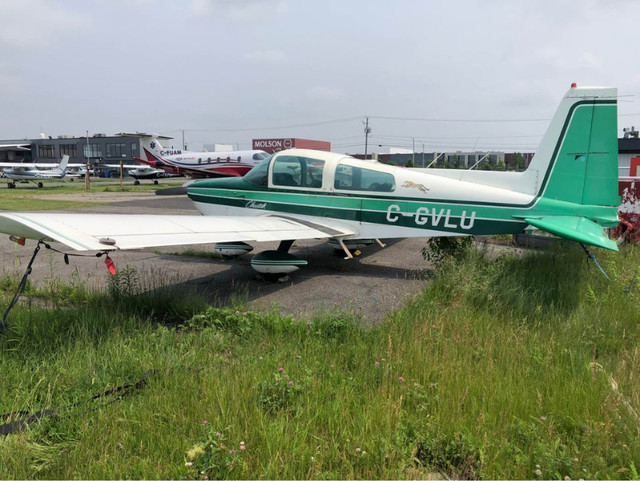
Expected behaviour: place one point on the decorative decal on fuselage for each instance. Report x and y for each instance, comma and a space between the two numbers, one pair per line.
413, 185
424, 215
252, 204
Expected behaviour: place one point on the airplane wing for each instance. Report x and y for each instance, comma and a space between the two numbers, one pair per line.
39, 165
24, 147
579, 229
86, 232
117, 166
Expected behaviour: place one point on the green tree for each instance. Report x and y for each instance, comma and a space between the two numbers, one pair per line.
518, 162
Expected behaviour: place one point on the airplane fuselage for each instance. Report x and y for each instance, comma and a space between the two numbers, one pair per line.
205, 164
30, 173
412, 204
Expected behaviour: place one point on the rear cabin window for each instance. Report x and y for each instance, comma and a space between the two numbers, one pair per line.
294, 171
357, 178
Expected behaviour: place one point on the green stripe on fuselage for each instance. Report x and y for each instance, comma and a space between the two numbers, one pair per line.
472, 220
445, 215
469, 218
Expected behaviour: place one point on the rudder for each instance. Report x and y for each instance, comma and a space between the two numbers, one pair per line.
583, 166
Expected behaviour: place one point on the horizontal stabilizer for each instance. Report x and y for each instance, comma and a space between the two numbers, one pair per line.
578, 229
86, 232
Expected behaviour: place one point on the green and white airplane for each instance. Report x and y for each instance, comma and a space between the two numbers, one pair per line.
569, 190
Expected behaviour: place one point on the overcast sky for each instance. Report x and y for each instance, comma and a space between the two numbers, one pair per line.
227, 71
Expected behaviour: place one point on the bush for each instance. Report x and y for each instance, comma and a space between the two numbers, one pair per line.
441, 249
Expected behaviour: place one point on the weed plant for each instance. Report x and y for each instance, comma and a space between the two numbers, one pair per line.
519, 367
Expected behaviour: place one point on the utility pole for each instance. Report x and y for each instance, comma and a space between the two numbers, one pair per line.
367, 131
87, 182
413, 151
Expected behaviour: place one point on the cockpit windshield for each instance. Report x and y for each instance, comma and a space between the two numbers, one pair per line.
258, 175
261, 155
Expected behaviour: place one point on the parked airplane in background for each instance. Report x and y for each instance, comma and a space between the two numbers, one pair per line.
142, 173
31, 173
76, 171
149, 173
235, 163
570, 190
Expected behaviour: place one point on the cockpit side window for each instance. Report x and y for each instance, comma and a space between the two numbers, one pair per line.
357, 178
294, 171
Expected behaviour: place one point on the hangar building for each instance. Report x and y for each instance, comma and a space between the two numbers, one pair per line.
97, 148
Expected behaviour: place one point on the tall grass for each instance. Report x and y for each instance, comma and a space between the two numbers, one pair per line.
511, 368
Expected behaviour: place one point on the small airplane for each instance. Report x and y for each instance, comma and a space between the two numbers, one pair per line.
31, 173
149, 173
142, 173
77, 171
569, 190
235, 163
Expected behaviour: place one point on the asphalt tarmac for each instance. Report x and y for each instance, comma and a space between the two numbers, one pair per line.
372, 285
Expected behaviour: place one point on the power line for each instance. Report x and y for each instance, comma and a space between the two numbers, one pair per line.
456, 137
276, 127
417, 119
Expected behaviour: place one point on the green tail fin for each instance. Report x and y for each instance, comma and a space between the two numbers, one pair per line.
583, 167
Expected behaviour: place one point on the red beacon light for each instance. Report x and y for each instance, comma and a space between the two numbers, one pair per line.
574, 85
110, 265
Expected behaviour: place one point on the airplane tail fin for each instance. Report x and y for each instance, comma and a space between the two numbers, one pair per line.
152, 157
577, 160
62, 166
576, 166
151, 147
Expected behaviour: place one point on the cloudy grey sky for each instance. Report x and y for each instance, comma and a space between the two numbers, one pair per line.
228, 71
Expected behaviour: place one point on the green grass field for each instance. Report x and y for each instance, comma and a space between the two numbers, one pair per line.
29, 198
512, 368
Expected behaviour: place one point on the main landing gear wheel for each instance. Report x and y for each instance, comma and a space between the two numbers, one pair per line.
136, 182
155, 182
39, 185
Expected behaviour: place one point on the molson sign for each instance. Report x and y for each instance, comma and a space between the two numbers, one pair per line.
273, 145
276, 145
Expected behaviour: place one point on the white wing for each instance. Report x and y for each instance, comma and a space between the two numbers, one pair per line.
85, 232
125, 166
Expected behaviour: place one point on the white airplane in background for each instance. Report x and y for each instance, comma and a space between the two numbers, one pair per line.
76, 171
139, 172
31, 173
570, 189
235, 163
149, 173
